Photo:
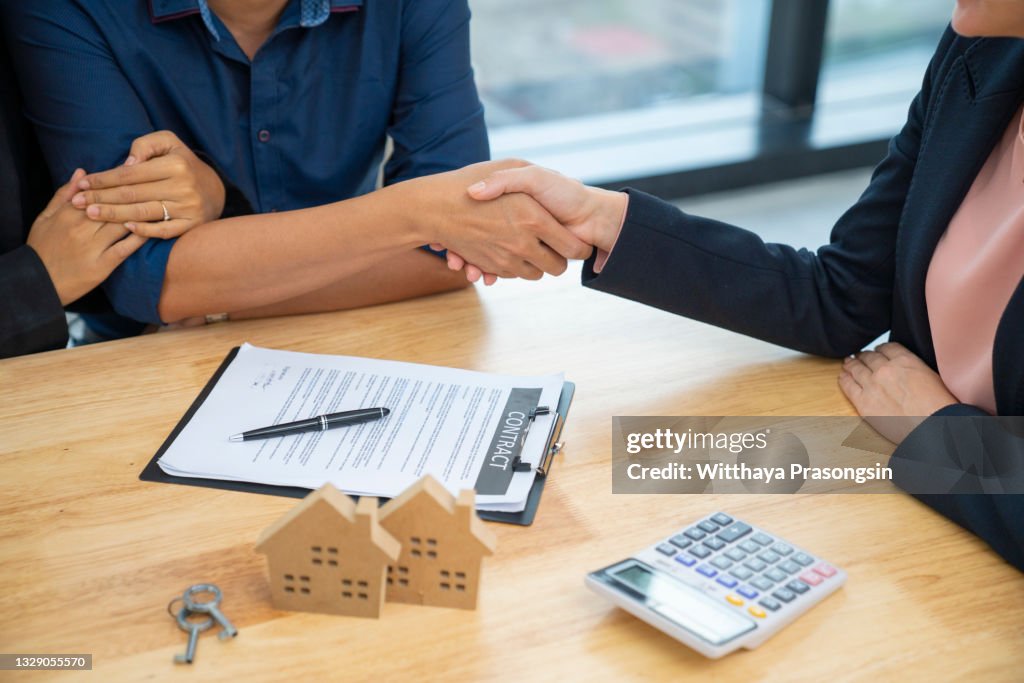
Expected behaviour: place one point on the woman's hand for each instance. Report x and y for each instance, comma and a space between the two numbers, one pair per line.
893, 390
160, 172
78, 252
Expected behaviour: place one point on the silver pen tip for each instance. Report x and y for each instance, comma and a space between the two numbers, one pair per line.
236, 437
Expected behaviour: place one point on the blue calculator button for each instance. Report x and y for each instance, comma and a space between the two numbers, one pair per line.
699, 551
685, 560
706, 571
770, 604
727, 581
708, 526
735, 532
721, 518
747, 592
666, 549
680, 541
695, 533
714, 543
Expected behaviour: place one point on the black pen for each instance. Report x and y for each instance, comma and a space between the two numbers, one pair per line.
320, 423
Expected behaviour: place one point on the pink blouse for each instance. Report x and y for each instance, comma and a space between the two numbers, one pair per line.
976, 267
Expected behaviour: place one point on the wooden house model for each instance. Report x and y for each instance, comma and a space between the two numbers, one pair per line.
329, 554
443, 545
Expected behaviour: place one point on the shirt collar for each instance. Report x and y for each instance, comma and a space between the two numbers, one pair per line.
311, 12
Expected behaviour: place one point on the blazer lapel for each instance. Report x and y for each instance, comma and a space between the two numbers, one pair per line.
966, 118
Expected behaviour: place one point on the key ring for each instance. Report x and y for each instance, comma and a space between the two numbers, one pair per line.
173, 613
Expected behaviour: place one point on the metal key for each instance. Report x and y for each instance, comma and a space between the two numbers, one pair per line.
210, 607
194, 629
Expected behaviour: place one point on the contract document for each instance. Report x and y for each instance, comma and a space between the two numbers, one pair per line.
465, 428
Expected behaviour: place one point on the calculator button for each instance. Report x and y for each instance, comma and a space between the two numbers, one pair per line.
685, 560
714, 543
784, 594
747, 592
770, 604
797, 586
680, 541
722, 562
782, 549
706, 571
789, 566
775, 575
769, 557
762, 583
755, 565
736, 555
727, 581
742, 573
699, 551
695, 533
803, 559
811, 578
734, 599
825, 570
763, 539
721, 518
666, 549
756, 612
735, 532
752, 547
708, 526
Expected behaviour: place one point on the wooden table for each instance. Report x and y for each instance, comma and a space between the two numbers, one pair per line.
90, 556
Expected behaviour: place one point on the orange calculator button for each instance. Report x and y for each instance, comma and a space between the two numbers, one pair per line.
756, 611
734, 599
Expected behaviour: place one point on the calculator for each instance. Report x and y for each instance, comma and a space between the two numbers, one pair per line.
718, 585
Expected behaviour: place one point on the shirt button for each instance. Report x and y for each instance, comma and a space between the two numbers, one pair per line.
264, 135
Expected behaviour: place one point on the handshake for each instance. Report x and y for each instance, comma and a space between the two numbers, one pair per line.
512, 219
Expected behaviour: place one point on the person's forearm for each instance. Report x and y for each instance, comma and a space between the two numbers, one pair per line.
255, 261
408, 275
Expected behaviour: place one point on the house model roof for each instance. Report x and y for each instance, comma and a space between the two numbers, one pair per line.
429, 490
351, 514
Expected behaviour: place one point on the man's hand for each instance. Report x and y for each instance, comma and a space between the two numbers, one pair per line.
160, 171
78, 252
513, 236
593, 215
893, 390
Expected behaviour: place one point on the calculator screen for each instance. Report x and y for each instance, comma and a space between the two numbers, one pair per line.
682, 604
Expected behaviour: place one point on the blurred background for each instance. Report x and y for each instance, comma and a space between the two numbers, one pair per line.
616, 90
691, 97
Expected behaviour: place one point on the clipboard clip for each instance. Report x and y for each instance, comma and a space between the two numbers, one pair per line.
517, 463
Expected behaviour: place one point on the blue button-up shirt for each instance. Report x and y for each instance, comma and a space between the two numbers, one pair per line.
303, 124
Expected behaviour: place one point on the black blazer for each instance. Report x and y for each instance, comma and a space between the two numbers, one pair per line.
31, 317
870, 278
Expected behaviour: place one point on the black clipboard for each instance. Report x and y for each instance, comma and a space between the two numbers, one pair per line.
152, 471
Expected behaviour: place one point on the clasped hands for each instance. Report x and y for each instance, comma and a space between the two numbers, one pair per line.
548, 218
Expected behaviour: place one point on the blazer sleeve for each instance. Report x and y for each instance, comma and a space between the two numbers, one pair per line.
831, 302
974, 456
31, 316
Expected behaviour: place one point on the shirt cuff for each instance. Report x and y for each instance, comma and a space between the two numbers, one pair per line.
135, 286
